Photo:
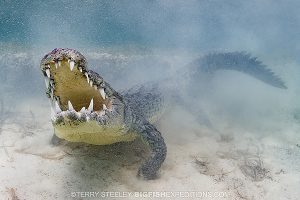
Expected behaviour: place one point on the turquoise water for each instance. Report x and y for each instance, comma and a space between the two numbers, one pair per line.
148, 40
195, 25
144, 41
131, 42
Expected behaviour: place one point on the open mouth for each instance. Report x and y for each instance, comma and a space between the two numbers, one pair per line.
71, 87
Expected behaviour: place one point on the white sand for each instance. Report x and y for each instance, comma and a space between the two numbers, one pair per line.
198, 160
250, 152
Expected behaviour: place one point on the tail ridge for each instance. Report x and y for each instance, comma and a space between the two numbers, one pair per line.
238, 61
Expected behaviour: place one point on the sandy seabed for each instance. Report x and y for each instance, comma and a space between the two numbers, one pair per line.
232, 164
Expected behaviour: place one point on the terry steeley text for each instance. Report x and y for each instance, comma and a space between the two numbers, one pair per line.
152, 194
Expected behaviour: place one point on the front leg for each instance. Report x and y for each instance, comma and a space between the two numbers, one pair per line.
152, 137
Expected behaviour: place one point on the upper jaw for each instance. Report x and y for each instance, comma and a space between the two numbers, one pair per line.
58, 54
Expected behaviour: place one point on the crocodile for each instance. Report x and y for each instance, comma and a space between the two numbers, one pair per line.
85, 108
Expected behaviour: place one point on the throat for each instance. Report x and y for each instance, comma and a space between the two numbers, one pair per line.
72, 85
92, 133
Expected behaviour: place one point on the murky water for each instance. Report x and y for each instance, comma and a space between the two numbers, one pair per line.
248, 148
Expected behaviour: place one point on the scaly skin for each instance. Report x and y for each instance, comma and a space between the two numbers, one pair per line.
115, 123
87, 109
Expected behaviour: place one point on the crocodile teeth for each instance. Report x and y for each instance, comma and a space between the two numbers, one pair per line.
87, 77
51, 83
70, 106
104, 107
72, 65
101, 90
48, 73
47, 81
57, 108
56, 65
80, 69
95, 87
91, 106
82, 109
91, 83
59, 63
52, 114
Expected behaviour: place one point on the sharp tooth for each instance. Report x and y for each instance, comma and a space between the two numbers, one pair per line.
70, 105
57, 108
72, 65
47, 81
52, 104
69, 60
52, 114
104, 107
101, 90
59, 63
56, 65
91, 106
87, 77
51, 83
80, 69
91, 83
82, 109
95, 87
48, 72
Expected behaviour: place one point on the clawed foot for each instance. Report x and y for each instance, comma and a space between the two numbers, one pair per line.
147, 173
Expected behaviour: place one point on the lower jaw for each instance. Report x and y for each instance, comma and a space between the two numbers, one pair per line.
92, 133
72, 116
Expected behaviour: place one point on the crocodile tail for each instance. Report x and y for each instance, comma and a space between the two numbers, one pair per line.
239, 61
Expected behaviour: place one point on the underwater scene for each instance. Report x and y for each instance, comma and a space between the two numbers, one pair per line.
149, 99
